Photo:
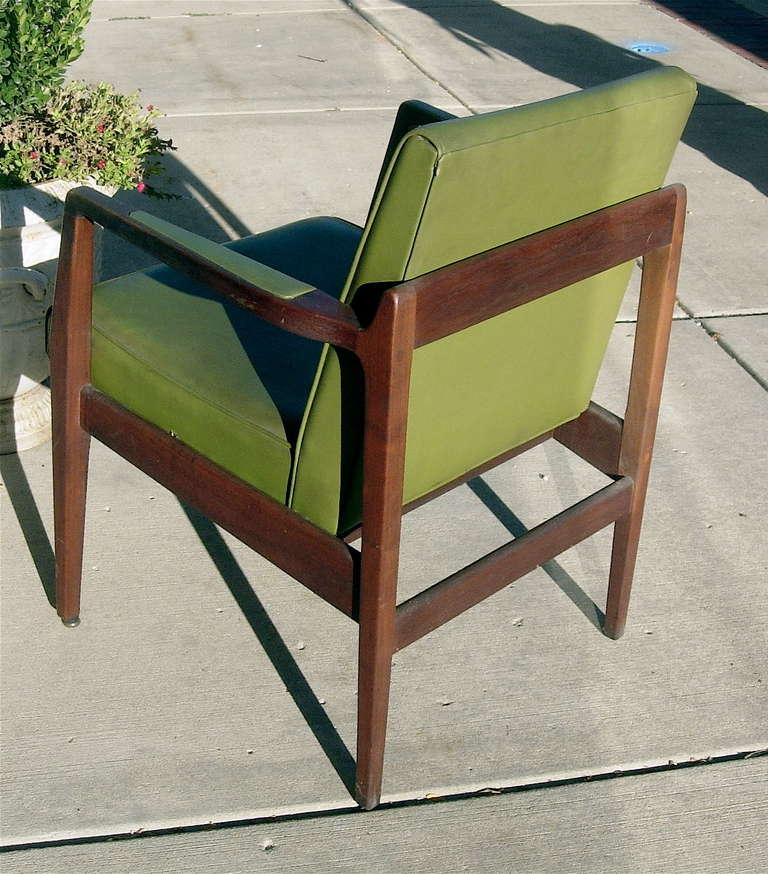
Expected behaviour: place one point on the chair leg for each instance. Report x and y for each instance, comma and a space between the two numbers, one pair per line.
386, 355
70, 371
70, 474
626, 536
654, 320
373, 683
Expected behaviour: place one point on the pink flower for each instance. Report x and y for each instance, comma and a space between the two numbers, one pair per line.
150, 107
100, 128
140, 187
101, 164
34, 155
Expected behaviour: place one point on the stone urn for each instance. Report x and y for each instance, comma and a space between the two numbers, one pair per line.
30, 233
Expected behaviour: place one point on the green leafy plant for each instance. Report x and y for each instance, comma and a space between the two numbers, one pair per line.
38, 38
55, 130
83, 132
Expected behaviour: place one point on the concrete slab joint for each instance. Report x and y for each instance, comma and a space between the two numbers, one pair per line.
281, 109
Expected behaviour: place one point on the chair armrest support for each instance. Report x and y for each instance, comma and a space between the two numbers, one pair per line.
301, 309
470, 291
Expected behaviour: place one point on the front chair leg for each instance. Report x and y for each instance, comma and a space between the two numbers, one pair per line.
373, 683
70, 473
386, 356
70, 371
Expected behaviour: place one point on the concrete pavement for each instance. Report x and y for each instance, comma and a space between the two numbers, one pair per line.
200, 687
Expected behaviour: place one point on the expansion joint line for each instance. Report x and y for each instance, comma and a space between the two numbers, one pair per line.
391, 40
702, 322
445, 797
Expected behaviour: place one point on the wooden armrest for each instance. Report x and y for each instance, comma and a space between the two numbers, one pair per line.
265, 277
306, 311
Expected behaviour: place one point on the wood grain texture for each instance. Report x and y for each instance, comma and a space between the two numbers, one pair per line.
594, 436
70, 371
649, 358
387, 354
486, 285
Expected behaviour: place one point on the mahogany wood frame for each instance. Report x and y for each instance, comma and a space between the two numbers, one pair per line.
363, 584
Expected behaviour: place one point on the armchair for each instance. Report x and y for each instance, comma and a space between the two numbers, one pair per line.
308, 385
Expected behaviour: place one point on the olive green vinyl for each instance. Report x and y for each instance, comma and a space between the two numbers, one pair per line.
276, 283
219, 379
285, 414
204, 393
459, 187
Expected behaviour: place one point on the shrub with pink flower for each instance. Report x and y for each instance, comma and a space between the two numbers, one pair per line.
84, 133
52, 129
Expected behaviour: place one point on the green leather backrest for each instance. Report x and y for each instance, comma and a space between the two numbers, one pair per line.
459, 187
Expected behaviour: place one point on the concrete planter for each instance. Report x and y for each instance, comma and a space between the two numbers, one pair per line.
30, 233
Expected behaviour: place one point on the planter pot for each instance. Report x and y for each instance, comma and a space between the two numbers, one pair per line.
30, 233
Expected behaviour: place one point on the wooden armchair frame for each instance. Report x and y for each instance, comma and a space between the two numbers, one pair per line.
363, 584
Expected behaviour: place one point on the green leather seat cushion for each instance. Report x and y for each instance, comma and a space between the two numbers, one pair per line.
223, 381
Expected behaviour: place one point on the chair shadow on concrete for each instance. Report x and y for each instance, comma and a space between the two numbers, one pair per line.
571, 54
198, 208
25, 507
555, 571
275, 648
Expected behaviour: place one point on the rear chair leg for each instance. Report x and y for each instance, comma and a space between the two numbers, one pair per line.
654, 320
626, 536
373, 683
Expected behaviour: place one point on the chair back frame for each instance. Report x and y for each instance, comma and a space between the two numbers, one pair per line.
363, 583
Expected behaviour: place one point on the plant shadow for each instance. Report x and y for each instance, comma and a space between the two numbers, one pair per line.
188, 202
